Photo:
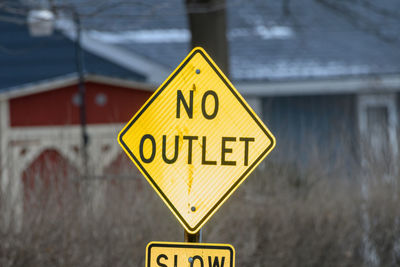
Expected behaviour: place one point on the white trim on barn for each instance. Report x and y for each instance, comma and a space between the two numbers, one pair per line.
22, 147
69, 80
65, 139
4, 126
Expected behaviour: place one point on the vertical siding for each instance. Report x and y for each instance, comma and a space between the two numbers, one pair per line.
56, 107
313, 128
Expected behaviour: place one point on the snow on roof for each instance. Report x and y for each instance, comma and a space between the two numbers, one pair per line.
294, 69
143, 36
183, 35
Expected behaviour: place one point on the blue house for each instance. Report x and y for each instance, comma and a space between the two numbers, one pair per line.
324, 75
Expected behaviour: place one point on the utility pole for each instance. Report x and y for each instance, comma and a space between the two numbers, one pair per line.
207, 23
82, 93
41, 23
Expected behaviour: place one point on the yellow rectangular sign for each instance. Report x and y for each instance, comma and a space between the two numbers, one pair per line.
196, 140
166, 254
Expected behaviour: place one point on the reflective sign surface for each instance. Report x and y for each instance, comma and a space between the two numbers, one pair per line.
189, 254
196, 140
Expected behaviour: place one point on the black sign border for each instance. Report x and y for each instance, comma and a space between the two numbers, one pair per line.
188, 245
239, 180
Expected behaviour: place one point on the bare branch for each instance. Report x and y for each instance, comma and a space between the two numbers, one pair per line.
358, 20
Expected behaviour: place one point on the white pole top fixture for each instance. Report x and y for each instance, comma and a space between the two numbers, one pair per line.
40, 22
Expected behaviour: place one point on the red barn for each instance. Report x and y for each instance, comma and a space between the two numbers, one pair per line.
41, 133
41, 129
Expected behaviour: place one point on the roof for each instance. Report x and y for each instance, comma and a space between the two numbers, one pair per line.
29, 60
267, 41
68, 80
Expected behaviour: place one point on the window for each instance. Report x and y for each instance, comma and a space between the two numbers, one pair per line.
377, 117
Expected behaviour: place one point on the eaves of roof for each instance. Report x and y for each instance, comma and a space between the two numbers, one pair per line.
359, 84
70, 80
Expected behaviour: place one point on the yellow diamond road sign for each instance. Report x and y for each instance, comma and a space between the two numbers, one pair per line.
196, 140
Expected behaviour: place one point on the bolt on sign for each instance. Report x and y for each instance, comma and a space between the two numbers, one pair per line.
168, 254
196, 140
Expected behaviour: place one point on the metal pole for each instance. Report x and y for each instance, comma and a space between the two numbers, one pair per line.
82, 93
193, 238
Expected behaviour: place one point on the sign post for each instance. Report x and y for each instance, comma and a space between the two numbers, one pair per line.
193, 238
196, 140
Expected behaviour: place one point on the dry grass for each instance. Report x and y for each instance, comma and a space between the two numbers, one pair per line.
281, 216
